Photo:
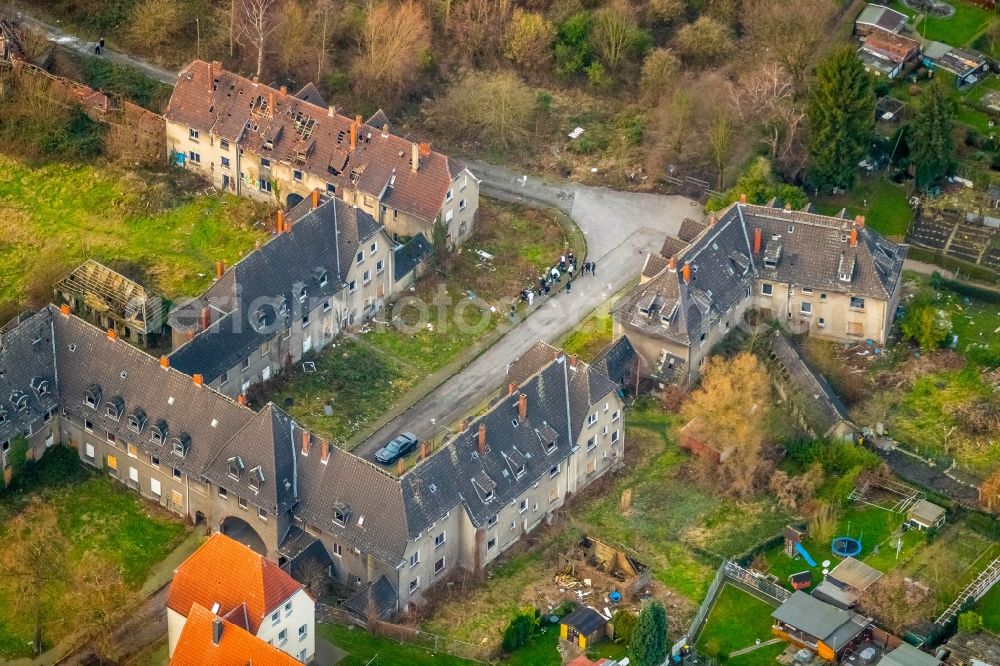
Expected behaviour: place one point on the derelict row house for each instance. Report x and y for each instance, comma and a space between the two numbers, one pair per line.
828, 276
253, 140
264, 480
330, 267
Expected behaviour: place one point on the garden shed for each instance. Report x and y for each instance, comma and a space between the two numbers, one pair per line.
926, 515
583, 627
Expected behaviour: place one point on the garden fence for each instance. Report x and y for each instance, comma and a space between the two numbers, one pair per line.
706, 604
748, 580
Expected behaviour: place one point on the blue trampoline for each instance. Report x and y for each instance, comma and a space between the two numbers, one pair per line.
846, 547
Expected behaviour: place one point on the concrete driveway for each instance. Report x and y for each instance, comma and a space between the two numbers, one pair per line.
620, 227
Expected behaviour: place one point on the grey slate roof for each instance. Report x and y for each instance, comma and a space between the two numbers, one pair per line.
409, 255
882, 17
961, 62
559, 397
616, 359
206, 419
834, 626
264, 446
376, 519
585, 619
907, 655
310, 93
812, 251
379, 119
821, 407
27, 373
324, 240
380, 597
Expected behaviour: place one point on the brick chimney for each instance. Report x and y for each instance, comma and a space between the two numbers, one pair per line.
743, 199
331, 111
216, 630
672, 264
712, 219
164, 362
357, 121
112, 335
241, 399
354, 136
522, 407
270, 103
281, 221
65, 309
220, 268
211, 75
757, 235
204, 319
199, 379
283, 90
315, 199
859, 221
306, 441
385, 130
482, 438
511, 388
425, 450
573, 359
400, 467
464, 425
324, 450
854, 237
686, 273
414, 157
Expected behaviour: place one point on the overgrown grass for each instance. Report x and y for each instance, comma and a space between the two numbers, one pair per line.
457, 310
951, 562
125, 82
736, 621
362, 647
961, 29
884, 204
104, 523
357, 382
592, 335
57, 215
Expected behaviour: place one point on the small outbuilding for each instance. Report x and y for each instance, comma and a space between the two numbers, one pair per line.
846, 583
878, 17
810, 623
926, 515
583, 627
907, 655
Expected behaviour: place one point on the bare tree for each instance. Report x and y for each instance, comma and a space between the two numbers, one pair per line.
896, 601
257, 25
767, 96
495, 109
155, 24
478, 28
294, 30
720, 136
615, 31
790, 31
324, 9
529, 40
390, 44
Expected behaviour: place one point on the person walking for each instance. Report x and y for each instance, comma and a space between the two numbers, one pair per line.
569, 286
593, 268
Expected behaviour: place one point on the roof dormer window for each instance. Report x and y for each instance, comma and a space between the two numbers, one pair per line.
235, 467
341, 513
256, 478
92, 396
114, 408
19, 400
3, 415
158, 433
180, 444
137, 421
40, 386
303, 293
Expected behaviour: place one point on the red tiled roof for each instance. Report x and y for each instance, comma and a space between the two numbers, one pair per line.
226, 572
211, 99
195, 646
896, 48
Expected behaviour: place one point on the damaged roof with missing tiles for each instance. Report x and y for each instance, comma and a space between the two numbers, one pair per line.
822, 409
28, 375
315, 255
314, 139
797, 247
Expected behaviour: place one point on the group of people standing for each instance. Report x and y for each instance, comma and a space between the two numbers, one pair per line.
567, 267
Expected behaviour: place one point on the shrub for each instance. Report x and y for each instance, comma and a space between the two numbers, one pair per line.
658, 69
573, 50
520, 629
925, 324
970, 622
837, 457
624, 622
705, 42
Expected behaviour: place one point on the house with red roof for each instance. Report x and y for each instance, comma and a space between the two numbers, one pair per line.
210, 640
254, 140
244, 590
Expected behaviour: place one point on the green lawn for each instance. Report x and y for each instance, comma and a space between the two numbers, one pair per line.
105, 525
737, 620
961, 29
362, 647
989, 608
883, 203
542, 650
57, 215
765, 655
357, 382
591, 336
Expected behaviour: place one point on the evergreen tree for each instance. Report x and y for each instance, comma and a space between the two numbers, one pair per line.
932, 150
649, 639
439, 243
841, 118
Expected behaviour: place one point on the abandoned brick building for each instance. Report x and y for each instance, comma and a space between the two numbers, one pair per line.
264, 480
826, 276
254, 140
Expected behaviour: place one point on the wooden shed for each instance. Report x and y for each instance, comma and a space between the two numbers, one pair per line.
583, 627
926, 515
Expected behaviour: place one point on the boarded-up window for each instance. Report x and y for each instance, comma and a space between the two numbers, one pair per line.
855, 328
176, 498
154, 487
112, 462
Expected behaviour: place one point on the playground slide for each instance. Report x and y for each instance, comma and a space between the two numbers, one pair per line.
805, 556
